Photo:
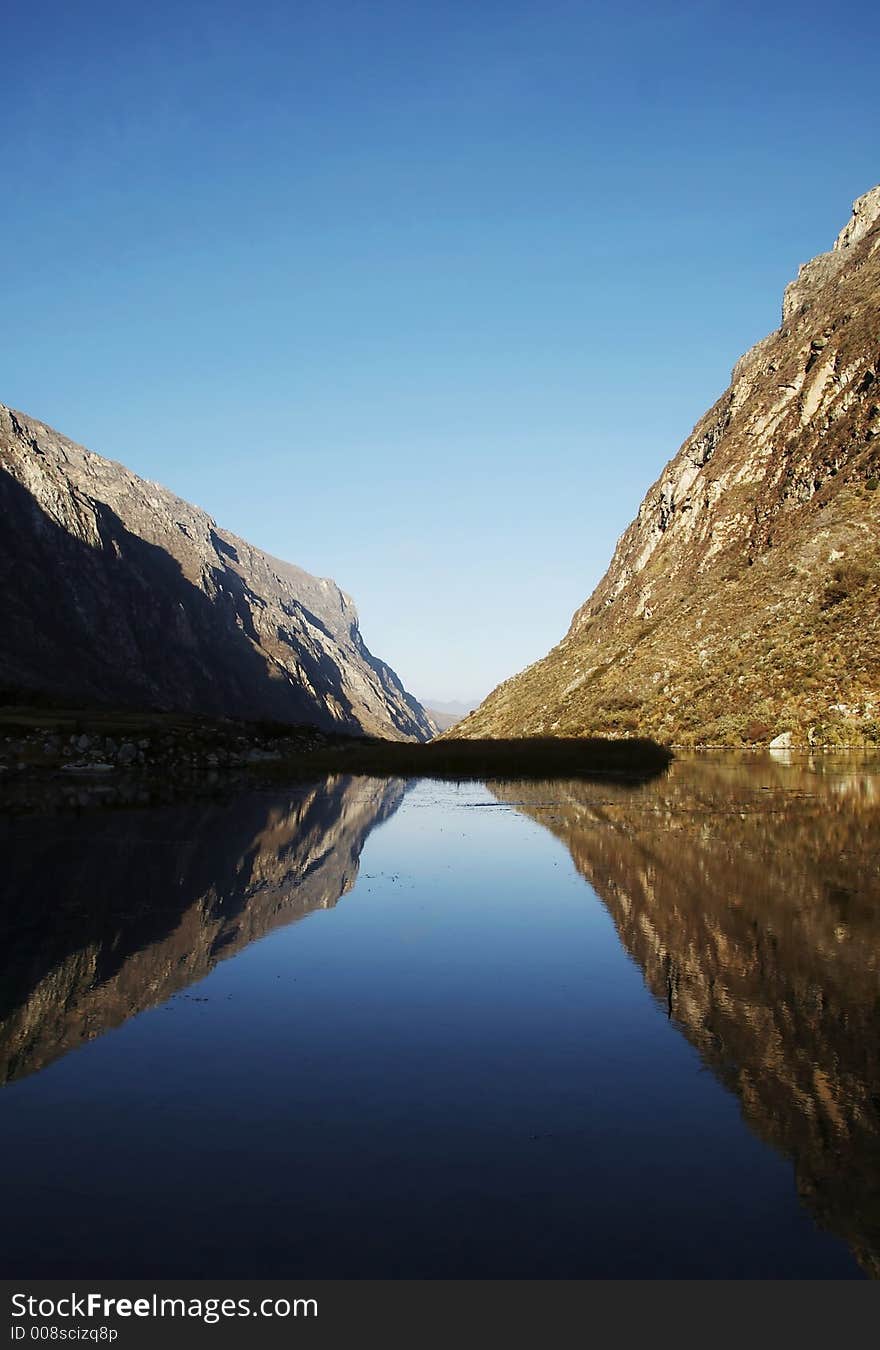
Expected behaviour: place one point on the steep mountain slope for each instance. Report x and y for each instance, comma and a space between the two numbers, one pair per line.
114, 589
743, 602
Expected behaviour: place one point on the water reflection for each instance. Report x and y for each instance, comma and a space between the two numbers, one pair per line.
144, 903
748, 891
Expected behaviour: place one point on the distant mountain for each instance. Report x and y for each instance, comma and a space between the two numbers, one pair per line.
115, 590
443, 720
446, 715
743, 602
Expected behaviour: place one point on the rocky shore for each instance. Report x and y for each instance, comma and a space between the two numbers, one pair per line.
61, 758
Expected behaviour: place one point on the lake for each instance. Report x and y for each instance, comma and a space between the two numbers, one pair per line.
372, 1028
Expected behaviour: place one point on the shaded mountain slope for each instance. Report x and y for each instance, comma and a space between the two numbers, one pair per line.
743, 602
115, 590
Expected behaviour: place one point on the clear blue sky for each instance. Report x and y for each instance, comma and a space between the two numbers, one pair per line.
420, 296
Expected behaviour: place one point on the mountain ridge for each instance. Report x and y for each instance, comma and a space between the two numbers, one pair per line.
117, 590
741, 603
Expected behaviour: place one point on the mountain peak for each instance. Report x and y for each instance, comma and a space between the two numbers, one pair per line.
118, 591
865, 214
820, 270
743, 602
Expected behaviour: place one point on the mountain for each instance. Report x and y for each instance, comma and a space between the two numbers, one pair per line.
116, 591
757, 932
743, 602
446, 715
152, 900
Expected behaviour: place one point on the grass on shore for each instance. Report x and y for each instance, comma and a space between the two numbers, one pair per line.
300, 752
531, 757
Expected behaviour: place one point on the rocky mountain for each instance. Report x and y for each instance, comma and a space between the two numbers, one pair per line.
743, 602
116, 591
749, 896
152, 900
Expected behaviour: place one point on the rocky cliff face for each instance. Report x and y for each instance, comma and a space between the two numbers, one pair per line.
115, 590
152, 900
743, 602
749, 896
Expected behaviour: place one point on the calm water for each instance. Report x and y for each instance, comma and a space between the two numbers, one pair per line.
375, 1029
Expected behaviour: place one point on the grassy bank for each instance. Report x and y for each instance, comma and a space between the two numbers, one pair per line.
532, 757
78, 742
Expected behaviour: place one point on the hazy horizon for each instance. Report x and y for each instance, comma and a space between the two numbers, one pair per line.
419, 299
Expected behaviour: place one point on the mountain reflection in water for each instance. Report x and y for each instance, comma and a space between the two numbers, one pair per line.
458, 1073
748, 892
144, 903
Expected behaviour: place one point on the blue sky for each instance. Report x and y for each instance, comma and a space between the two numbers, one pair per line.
419, 296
